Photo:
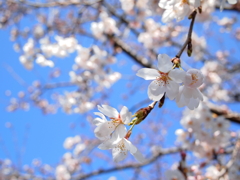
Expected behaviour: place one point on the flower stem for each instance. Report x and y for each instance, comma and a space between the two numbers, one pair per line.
189, 37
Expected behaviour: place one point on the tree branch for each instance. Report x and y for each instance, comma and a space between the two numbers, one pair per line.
189, 37
231, 116
131, 53
167, 151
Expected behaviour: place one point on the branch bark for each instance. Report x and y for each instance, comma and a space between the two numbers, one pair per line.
131, 53
189, 36
231, 116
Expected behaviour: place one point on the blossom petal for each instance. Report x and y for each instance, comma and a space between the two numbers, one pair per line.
177, 75
108, 111
181, 10
121, 131
139, 157
130, 146
110, 143
168, 15
193, 103
188, 92
97, 121
172, 89
106, 145
166, 4
164, 63
155, 91
197, 94
181, 100
104, 130
148, 73
125, 115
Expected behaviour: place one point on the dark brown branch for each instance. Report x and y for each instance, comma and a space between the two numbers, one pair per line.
140, 60
189, 37
231, 116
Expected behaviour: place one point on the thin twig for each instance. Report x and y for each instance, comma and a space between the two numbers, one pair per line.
189, 37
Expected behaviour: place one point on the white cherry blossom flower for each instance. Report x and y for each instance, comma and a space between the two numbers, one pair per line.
120, 146
221, 124
42, 61
189, 94
177, 9
105, 128
166, 79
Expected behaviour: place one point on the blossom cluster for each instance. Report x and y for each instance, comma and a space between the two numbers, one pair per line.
114, 134
71, 161
87, 69
167, 80
215, 172
177, 9
107, 25
156, 34
216, 75
205, 132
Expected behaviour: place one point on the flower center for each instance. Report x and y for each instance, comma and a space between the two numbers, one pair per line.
194, 79
163, 78
117, 120
121, 147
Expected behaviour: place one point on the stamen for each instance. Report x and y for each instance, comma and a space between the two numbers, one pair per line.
194, 79
117, 121
163, 78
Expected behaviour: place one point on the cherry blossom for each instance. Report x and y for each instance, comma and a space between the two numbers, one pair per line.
127, 5
205, 133
62, 173
166, 79
177, 9
120, 146
189, 94
42, 61
107, 25
105, 128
